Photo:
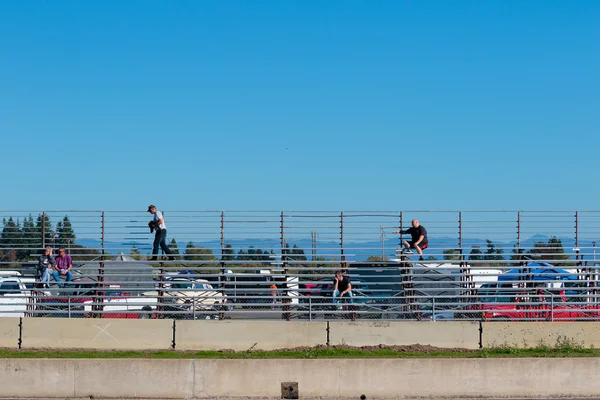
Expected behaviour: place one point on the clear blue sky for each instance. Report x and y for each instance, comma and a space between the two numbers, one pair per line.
317, 105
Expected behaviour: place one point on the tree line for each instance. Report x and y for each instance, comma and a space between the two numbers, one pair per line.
21, 241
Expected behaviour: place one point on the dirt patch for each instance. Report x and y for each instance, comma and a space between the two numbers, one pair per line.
413, 348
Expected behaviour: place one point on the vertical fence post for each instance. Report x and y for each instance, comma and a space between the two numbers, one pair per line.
43, 229
97, 307
342, 256
282, 242
518, 232
400, 228
286, 300
222, 279
463, 270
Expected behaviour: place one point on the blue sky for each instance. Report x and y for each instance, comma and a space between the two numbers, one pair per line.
309, 105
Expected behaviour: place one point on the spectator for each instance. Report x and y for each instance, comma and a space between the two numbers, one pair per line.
160, 237
64, 264
46, 266
419, 240
274, 295
341, 287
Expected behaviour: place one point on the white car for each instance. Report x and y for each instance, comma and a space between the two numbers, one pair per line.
185, 296
16, 299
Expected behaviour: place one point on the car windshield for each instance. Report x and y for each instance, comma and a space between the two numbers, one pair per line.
9, 287
181, 285
495, 295
203, 286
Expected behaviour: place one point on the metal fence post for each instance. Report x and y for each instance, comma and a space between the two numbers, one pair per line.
551, 306
519, 232
400, 229
342, 256
97, 307
222, 274
43, 229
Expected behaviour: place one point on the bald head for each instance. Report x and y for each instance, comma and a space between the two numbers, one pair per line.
415, 223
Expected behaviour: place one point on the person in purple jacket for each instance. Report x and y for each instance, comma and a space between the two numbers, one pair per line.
62, 266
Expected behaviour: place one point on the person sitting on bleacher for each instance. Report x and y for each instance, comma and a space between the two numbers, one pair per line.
341, 287
64, 264
46, 266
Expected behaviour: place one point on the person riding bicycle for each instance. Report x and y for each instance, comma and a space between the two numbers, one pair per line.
341, 287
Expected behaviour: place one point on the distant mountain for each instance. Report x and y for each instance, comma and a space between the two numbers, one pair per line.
353, 250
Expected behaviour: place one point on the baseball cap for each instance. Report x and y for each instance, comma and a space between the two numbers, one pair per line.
151, 206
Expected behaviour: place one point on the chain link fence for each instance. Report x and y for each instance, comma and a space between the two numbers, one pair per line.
480, 265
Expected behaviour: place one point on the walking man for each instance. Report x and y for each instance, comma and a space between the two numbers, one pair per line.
160, 237
418, 235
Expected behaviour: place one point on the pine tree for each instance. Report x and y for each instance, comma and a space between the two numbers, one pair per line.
476, 254
66, 235
43, 228
11, 234
173, 246
135, 253
228, 253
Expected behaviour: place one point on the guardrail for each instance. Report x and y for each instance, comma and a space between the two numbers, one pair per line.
480, 265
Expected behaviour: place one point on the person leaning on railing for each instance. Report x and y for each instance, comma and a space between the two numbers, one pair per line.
418, 235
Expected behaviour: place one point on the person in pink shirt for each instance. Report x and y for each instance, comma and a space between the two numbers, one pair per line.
63, 265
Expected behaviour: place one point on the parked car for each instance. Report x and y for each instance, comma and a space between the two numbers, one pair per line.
189, 298
77, 298
16, 298
535, 305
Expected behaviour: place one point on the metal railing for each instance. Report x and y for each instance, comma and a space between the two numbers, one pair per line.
480, 265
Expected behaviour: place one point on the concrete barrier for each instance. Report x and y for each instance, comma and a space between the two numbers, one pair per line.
9, 332
244, 335
83, 333
533, 334
395, 378
441, 334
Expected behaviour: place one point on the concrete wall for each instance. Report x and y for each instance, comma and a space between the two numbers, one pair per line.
397, 378
244, 335
441, 334
83, 333
9, 332
532, 334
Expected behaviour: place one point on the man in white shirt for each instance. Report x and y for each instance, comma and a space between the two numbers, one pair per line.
160, 237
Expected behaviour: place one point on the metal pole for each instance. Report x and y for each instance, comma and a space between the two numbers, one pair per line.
222, 274
519, 231
43, 229
313, 235
400, 228
577, 229
342, 257
382, 243
282, 237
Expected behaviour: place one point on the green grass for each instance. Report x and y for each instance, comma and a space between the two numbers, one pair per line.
562, 348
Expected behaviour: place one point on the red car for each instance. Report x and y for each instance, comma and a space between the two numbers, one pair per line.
69, 302
534, 305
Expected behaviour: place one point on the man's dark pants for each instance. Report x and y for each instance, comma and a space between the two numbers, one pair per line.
160, 239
